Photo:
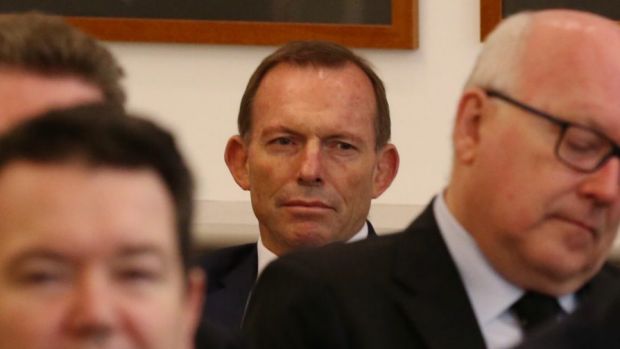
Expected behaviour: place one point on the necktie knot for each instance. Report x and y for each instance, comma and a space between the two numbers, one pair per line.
534, 309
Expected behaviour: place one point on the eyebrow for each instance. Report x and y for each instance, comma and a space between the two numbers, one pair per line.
34, 254
143, 251
140, 250
278, 129
48, 254
336, 135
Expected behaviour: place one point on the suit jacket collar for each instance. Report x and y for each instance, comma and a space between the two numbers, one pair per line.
229, 289
433, 295
243, 272
371, 230
604, 284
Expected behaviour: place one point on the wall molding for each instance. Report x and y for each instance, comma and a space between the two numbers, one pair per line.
221, 223
233, 222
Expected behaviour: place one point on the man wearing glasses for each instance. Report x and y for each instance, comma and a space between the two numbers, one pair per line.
520, 235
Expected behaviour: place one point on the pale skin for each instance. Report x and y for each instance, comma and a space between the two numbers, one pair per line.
310, 160
89, 259
25, 94
542, 225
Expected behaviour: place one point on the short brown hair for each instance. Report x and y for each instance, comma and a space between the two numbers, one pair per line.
47, 45
104, 135
319, 54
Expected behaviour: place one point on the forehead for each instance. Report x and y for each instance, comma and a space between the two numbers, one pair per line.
24, 94
320, 95
83, 212
571, 67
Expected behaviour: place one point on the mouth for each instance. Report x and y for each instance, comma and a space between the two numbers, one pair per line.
591, 228
307, 205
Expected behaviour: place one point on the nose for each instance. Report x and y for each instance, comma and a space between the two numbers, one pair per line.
91, 315
310, 167
603, 185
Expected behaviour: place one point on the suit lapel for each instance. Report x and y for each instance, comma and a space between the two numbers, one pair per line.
228, 301
430, 289
604, 284
371, 231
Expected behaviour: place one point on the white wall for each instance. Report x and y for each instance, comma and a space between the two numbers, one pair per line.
195, 90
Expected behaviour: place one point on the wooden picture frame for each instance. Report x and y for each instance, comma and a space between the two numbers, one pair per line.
490, 16
402, 33
492, 11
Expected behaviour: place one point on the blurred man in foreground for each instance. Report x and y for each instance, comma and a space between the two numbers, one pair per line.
95, 234
519, 236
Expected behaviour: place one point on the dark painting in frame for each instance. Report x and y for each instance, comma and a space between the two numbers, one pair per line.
399, 31
493, 11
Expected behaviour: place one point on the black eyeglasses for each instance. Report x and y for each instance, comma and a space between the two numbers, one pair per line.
579, 147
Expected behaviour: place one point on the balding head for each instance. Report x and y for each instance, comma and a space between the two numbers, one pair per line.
568, 52
542, 101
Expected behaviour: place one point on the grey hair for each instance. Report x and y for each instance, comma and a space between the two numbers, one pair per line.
498, 64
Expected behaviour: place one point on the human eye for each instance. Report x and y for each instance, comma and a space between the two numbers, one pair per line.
345, 146
281, 141
139, 274
40, 275
583, 142
342, 147
141, 268
282, 144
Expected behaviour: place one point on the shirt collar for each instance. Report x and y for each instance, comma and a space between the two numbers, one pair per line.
265, 256
490, 294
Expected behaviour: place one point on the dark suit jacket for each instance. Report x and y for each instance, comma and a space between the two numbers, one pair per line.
395, 291
231, 275
212, 337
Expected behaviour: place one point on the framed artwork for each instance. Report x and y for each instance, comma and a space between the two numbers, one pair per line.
492, 11
355, 23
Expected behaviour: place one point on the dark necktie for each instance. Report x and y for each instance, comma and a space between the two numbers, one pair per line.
534, 309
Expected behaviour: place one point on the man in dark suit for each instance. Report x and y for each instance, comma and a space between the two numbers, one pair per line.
517, 239
313, 150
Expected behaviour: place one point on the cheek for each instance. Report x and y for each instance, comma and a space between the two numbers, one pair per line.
613, 215
352, 179
526, 184
267, 175
30, 324
154, 322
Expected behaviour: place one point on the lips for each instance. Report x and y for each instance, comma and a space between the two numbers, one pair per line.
591, 227
310, 204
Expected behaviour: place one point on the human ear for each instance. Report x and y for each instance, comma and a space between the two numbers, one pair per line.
236, 157
194, 300
466, 133
386, 169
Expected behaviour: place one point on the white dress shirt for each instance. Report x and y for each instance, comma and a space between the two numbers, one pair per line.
489, 293
265, 256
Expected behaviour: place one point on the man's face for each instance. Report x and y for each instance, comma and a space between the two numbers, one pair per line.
25, 94
89, 259
542, 224
310, 161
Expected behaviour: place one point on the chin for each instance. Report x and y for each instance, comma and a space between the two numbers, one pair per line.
572, 270
311, 238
